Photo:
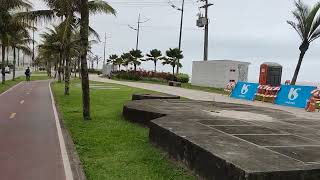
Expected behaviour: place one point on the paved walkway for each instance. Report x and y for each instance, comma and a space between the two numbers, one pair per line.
31, 147
206, 96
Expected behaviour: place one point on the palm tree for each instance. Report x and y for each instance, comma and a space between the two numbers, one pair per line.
119, 61
8, 10
19, 39
127, 59
112, 59
172, 58
85, 6
136, 56
307, 26
154, 56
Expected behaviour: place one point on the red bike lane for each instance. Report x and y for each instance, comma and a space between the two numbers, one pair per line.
30, 146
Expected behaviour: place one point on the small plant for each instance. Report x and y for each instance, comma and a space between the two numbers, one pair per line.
183, 78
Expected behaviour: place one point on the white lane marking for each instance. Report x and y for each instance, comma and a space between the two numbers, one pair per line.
64, 153
21, 102
10, 89
13, 115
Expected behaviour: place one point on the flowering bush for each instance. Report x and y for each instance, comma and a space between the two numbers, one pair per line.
140, 75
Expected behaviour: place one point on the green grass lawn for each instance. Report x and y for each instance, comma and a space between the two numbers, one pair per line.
9, 83
109, 146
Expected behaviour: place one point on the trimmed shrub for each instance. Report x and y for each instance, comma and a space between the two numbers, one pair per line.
183, 78
142, 75
94, 71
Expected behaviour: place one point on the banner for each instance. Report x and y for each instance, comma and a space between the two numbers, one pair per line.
295, 96
245, 90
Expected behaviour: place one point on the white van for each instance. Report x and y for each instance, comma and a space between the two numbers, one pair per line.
7, 70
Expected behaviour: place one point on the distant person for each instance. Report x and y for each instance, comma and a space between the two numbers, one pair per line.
28, 74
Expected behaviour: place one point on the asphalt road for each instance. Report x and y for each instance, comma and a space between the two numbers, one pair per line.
29, 138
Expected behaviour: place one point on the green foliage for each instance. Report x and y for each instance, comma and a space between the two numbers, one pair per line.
307, 26
172, 58
154, 56
109, 146
136, 55
94, 71
183, 78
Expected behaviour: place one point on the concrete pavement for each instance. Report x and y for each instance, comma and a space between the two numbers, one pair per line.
206, 96
31, 147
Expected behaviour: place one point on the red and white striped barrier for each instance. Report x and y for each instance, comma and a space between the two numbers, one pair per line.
266, 91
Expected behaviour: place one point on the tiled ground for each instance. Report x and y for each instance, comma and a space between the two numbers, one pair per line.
259, 148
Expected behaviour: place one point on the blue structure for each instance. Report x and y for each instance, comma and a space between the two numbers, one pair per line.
245, 90
295, 96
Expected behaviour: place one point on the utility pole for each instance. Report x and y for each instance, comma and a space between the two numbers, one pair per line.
138, 33
181, 25
205, 22
33, 46
138, 29
104, 50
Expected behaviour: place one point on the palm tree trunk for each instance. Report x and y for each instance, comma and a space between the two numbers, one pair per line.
14, 64
296, 72
135, 67
67, 77
63, 68
84, 33
59, 67
2, 64
173, 67
18, 57
155, 66
7, 56
23, 60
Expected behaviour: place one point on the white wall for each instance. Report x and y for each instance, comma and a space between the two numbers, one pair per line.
215, 73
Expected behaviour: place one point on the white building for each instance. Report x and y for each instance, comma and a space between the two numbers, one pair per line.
108, 68
218, 73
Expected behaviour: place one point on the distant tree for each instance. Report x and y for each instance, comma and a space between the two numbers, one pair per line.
118, 62
127, 59
112, 59
172, 58
136, 56
155, 56
307, 26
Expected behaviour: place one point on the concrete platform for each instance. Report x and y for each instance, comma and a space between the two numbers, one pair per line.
222, 141
141, 96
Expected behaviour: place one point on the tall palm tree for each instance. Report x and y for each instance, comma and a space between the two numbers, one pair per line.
155, 56
136, 56
19, 39
84, 41
172, 58
307, 26
9, 9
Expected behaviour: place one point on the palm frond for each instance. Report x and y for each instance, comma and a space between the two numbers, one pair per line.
100, 6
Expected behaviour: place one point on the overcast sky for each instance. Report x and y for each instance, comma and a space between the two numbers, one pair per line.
248, 30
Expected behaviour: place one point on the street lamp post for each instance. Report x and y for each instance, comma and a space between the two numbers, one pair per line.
181, 26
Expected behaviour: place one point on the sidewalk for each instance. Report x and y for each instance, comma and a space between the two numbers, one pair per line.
206, 96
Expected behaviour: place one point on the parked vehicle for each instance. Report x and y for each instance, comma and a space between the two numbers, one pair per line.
7, 70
